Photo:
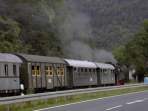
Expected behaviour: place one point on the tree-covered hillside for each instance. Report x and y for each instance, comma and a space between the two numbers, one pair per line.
69, 28
29, 22
113, 21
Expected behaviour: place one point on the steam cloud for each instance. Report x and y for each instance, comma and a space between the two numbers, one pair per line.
75, 33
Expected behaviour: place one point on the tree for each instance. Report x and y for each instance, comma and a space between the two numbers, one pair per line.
120, 55
44, 43
135, 52
9, 35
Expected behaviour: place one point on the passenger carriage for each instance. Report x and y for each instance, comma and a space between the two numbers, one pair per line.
42, 73
106, 74
9, 73
81, 73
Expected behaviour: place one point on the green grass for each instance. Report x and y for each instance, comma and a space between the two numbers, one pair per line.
32, 105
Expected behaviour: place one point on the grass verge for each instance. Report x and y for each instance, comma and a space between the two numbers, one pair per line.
32, 105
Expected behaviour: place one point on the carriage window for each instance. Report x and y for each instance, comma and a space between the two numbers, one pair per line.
6, 69
78, 69
85, 70
14, 70
113, 71
58, 70
89, 70
105, 71
62, 71
75, 69
81, 69
94, 70
49, 70
36, 70
102, 70
33, 71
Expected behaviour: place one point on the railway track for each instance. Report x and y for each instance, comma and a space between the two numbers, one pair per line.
39, 96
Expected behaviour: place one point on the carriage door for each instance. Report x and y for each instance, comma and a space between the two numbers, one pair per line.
99, 76
70, 77
36, 76
49, 76
58, 75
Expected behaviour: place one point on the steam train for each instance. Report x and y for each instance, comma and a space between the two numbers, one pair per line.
33, 73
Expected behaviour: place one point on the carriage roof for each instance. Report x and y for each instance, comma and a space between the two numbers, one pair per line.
43, 59
105, 66
80, 63
5, 57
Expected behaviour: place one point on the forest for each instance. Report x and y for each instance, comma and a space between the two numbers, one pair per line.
76, 29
